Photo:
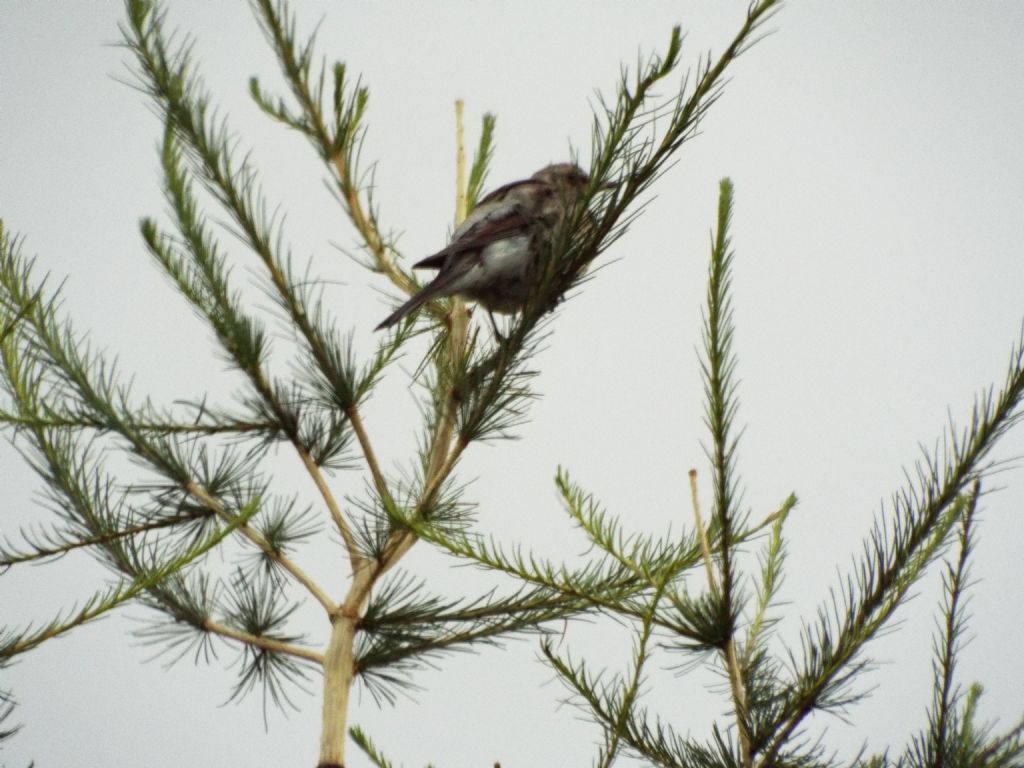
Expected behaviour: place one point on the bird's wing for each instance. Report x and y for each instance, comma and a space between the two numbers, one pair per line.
501, 192
497, 224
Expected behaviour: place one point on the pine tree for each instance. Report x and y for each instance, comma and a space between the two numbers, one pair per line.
202, 475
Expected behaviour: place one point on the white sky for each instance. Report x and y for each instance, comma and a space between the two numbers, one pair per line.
879, 285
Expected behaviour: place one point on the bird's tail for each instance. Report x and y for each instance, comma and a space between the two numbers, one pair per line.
408, 307
445, 284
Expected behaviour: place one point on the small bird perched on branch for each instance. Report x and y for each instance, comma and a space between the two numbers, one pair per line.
494, 254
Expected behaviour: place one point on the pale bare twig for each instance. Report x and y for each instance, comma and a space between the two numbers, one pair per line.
368, 453
739, 694
316, 473
266, 643
200, 494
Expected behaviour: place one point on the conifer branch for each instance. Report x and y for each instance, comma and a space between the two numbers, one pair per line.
203, 496
9, 557
653, 561
337, 144
167, 77
96, 392
458, 320
953, 735
50, 346
658, 744
264, 643
443, 455
955, 583
369, 456
373, 754
924, 513
718, 367
100, 604
402, 625
83, 421
205, 285
771, 579
615, 732
732, 662
494, 384
355, 558
702, 533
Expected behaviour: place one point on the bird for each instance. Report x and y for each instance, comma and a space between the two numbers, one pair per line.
494, 255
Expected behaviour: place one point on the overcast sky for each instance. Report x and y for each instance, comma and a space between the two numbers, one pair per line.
879, 285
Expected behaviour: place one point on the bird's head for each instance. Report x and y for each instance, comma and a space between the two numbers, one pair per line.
568, 177
563, 175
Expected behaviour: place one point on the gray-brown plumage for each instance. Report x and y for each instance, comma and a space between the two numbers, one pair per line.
493, 255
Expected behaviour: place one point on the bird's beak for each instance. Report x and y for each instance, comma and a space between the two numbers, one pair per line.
608, 185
